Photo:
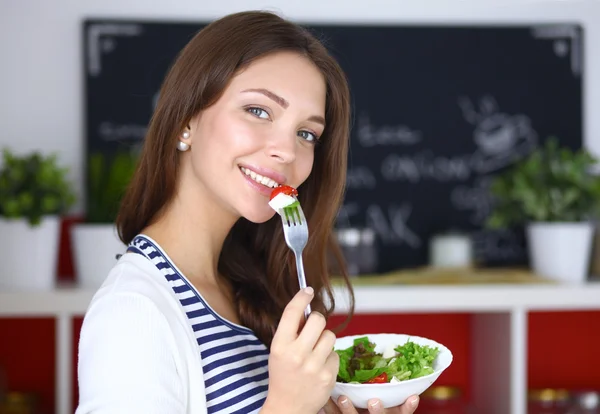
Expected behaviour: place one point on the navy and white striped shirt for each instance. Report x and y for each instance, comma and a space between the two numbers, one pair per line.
234, 360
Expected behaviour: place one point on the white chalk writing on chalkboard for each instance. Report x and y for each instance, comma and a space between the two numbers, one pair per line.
360, 178
99, 42
476, 198
391, 227
425, 165
497, 245
370, 136
559, 34
110, 131
501, 138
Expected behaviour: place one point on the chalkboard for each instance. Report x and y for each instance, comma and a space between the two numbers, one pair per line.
438, 111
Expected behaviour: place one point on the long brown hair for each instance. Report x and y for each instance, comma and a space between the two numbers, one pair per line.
255, 259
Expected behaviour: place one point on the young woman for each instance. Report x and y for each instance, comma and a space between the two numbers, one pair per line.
203, 314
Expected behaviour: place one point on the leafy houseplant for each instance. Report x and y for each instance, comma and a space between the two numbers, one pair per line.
554, 193
33, 186
108, 177
552, 185
95, 241
34, 193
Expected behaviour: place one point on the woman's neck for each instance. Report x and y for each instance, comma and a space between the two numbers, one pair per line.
192, 233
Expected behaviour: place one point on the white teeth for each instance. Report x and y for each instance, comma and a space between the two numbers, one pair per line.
266, 181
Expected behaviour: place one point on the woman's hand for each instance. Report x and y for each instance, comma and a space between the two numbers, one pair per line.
344, 406
302, 364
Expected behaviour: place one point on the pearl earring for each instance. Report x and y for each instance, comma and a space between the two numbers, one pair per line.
182, 146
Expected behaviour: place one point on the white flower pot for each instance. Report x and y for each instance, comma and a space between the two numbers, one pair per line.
28, 255
561, 251
94, 247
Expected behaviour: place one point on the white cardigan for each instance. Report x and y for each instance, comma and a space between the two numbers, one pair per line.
137, 353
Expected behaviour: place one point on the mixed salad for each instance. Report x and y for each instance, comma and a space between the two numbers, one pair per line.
282, 197
360, 364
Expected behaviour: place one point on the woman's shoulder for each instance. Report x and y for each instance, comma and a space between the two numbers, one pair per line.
135, 338
134, 277
136, 299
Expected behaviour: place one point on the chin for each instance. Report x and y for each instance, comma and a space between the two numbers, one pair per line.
259, 217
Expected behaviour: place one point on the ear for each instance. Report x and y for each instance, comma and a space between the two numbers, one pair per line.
192, 126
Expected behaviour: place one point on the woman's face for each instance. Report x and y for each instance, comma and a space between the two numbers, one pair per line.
261, 133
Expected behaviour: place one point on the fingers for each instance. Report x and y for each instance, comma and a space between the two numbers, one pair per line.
333, 363
375, 406
312, 330
409, 407
331, 407
345, 405
324, 348
293, 314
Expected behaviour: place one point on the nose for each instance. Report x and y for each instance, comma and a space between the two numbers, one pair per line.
282, 147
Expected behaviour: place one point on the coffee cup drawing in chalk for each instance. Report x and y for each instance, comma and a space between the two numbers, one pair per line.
501, 138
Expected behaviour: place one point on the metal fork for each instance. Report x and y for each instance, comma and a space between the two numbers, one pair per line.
295, 230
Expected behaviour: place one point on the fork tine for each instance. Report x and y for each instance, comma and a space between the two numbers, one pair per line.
290, 214
293, 216
301, 216
284, 217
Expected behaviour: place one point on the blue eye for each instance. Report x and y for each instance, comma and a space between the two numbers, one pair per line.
258, 112
309, 136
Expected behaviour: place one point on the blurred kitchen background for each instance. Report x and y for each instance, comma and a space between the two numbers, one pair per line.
472, 193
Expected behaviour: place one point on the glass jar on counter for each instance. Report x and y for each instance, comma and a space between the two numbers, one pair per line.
442, 400
359, 248
585, 402
548, 401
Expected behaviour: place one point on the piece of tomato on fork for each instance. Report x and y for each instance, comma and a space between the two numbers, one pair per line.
285, 189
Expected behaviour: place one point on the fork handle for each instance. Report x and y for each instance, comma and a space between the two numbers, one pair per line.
302, 279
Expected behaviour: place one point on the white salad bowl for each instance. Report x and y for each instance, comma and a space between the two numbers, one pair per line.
390, 394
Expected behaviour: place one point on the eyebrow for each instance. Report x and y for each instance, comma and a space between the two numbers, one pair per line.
318, 119
278, 99
283, 103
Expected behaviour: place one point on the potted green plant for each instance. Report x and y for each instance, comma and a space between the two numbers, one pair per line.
34, 193
556, 196
95, 242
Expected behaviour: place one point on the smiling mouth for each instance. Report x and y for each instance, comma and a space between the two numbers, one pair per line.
266, 181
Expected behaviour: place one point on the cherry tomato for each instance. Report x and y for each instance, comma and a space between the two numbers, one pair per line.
285, 189
379, 379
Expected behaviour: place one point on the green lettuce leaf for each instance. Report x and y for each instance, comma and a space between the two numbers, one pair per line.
360, 363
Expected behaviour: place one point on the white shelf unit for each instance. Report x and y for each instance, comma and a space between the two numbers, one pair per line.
499, 331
